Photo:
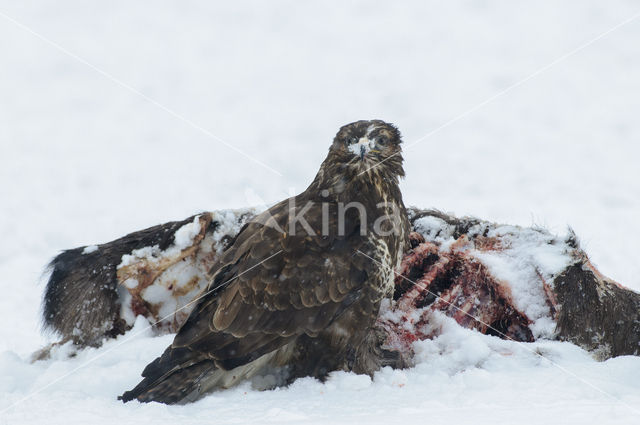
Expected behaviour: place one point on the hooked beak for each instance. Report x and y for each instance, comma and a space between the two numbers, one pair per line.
361, 148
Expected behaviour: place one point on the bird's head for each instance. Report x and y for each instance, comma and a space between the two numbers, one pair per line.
369, 146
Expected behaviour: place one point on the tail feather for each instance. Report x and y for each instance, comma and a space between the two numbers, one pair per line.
176, 386
180, 376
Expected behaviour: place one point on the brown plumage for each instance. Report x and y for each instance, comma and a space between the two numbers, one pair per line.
290, 298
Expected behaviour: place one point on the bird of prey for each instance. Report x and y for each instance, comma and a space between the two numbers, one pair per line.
298, 291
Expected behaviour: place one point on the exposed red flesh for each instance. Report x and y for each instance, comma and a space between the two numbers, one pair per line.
454, 282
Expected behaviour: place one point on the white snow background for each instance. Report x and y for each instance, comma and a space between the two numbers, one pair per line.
85, 160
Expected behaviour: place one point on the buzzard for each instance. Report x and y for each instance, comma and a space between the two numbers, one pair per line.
298, 291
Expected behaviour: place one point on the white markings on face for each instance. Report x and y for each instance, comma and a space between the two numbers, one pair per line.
370, 129
363, 146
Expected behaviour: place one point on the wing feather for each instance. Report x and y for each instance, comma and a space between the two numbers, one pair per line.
301, 288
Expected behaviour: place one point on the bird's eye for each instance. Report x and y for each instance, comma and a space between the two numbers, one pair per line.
353, 140
381, 141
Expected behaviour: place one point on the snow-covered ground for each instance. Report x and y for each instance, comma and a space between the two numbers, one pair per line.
86, 156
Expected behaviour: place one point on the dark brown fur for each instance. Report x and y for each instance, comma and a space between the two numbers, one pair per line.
81, 299
596, 313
